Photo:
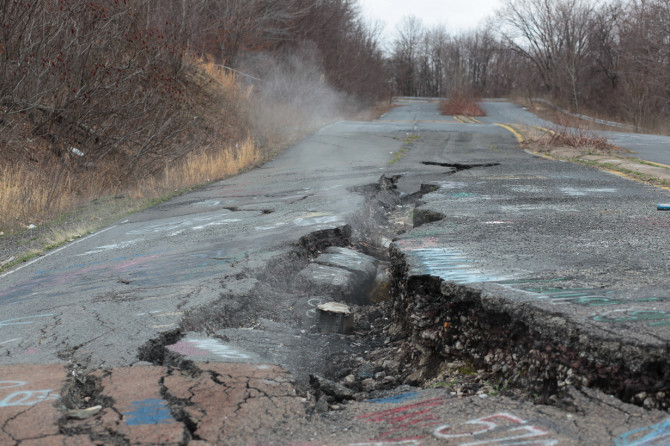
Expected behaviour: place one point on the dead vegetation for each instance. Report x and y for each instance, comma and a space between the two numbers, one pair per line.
42, 176
93, 103
461, 105
576, 138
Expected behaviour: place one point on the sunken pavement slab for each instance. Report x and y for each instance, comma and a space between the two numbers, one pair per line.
341, 273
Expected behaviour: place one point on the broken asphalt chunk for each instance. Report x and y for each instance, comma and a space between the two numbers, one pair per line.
330, 388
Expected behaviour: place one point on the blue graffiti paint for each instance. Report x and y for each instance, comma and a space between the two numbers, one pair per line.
591, 297
450, 265
151, 411
532, 281
656, 435
587, 297
655, 318
395, 399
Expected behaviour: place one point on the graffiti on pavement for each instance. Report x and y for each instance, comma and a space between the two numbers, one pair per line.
179, 225
200, 347
141, 269
150, 411
650, 316
498, 429
24, 397
584, 296
25, 320
656, 435
405, 422
395, 398
545, 289
409, 424
446, 263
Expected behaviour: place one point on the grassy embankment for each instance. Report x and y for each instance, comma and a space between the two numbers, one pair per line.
32, 196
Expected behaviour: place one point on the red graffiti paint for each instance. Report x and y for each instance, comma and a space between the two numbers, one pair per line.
402, 420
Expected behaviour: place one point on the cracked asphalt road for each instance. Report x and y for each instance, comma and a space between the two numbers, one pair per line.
194, 322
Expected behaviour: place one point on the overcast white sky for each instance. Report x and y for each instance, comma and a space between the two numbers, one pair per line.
456, 15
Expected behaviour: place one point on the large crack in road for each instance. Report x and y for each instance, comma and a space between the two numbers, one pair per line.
419, 332
441, 346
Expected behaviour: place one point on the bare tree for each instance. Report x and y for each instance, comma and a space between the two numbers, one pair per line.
553, 35
90, 76
645, 60
405, 51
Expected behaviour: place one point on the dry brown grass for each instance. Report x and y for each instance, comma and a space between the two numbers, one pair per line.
205, 167
226, 81
28, 195
462, 105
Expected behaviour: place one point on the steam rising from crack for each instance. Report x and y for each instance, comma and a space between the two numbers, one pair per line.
293, 95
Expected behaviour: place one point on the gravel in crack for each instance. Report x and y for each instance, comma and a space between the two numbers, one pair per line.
382, 362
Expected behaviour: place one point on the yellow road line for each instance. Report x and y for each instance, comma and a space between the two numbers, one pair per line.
632, 177
514, 132
542, 129
665, 166
541, 155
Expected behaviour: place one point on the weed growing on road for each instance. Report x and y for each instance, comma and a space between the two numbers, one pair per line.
397, 156
462, 105
576, 137
400, 154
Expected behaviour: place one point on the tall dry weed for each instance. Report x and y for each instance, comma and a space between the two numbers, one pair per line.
463, 105
28, 196
209, 166
577, 138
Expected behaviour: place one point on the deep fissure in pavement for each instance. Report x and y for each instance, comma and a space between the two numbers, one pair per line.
511, 345
410, 331
436, 324
459, 166
80, 394
539, 353
179, 408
